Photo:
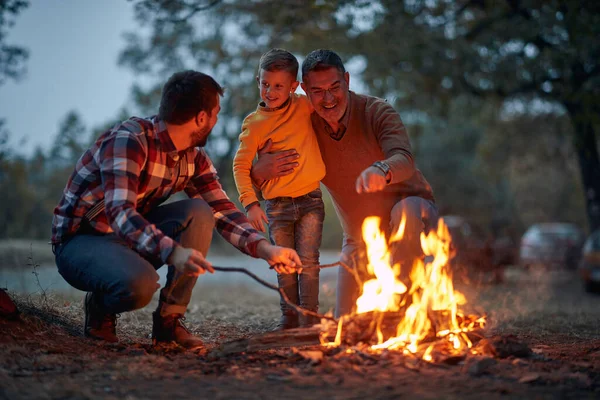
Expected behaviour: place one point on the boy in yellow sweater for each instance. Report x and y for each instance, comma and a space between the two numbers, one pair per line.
293, 203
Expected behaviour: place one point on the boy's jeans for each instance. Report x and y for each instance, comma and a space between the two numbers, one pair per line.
297, 223
121, 277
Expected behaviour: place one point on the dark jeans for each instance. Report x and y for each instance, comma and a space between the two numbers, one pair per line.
121, 278
421, 215
298, 223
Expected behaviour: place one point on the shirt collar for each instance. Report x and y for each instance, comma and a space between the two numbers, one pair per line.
264, 107
342, 124
162, 134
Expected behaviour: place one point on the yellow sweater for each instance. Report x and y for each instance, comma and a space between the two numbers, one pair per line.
289, 128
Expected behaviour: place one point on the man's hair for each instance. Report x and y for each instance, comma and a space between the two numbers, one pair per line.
279, 60
319, 60
185, 94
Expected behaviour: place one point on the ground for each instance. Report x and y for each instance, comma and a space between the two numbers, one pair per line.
43, 354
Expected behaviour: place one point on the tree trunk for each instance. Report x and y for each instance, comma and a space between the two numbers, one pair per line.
589, 163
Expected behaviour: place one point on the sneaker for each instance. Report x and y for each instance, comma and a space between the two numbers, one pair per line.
287, 321
170, 328
99, 324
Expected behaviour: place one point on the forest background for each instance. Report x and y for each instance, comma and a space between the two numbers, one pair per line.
501, 99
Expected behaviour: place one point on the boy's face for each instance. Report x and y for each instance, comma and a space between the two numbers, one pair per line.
275, 87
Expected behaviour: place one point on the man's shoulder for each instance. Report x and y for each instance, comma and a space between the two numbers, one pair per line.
372, 106
136, 126
300, 98
367, 99
133, 132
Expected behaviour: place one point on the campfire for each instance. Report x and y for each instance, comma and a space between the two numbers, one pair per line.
421, 318
418, 316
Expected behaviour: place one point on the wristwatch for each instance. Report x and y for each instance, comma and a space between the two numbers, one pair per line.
384, 167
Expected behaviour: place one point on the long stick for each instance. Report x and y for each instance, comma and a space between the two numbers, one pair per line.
297, 308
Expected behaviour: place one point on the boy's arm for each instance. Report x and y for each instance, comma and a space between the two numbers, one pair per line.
242, 165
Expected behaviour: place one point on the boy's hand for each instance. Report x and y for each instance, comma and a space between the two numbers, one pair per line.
257, 218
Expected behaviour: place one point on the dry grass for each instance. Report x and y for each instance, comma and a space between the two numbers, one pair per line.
46, 357
19, 253
539, 306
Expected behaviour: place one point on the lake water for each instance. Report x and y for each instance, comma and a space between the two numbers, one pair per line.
25, 281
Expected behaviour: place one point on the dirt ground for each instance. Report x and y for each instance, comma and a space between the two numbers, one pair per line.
44, 355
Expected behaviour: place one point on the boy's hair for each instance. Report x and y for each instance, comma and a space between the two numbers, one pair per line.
279, 60
185, 94
319, 60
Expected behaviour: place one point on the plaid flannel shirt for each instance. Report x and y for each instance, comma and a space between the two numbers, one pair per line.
135, 167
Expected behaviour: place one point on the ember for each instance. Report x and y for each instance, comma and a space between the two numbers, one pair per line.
424, 319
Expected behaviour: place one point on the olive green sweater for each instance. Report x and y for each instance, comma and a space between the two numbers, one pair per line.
374, 132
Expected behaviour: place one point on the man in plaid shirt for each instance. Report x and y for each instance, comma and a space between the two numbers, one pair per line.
110, 232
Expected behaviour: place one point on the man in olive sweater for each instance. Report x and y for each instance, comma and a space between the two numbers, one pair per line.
370, 167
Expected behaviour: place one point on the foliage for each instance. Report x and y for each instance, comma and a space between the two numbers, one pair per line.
450, 68
500, 97
12, 58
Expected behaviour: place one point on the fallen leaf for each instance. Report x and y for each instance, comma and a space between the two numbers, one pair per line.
315, 356
529, 378
583, 364
519, 361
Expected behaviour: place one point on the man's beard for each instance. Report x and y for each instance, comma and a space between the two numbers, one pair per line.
199, 137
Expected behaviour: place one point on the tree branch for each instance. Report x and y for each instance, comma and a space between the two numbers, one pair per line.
193, 10
529, 87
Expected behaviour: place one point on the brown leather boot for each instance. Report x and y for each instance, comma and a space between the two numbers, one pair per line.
99, 324
170, 328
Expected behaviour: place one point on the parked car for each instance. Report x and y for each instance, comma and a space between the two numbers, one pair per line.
555, 245
589, 266
475, 250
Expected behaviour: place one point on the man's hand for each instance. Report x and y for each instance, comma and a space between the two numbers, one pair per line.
371, 180
257, 218
188, 261
282, 259
272, 165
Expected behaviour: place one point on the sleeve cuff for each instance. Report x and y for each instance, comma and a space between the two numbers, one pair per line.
249, 206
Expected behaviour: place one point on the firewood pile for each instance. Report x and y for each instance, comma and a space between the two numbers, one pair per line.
359, 333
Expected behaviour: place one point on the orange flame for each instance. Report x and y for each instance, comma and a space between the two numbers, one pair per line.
432, 312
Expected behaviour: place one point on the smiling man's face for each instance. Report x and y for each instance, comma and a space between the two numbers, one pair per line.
328, 92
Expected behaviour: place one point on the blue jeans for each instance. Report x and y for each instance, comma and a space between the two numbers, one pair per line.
120, 277
298, 223
421, 216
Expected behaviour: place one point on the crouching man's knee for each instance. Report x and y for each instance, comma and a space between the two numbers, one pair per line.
199, 224
134, 294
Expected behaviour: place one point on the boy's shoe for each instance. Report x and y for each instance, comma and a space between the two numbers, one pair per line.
99, 324
170, 328
309, 320
287, 321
